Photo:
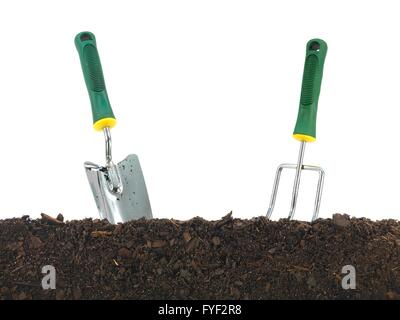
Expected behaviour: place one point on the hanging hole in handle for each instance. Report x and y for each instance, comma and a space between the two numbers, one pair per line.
86, 36
315, 46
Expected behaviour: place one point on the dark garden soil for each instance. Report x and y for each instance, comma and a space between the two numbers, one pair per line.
199, 259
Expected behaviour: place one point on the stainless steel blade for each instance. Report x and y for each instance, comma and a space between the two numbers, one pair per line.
133, 203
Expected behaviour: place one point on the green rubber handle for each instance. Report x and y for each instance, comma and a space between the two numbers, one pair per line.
103, 115
305, 129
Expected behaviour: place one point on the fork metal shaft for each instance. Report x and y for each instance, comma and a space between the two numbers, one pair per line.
297, 180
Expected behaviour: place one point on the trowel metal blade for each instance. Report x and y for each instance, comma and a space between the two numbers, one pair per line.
133, 203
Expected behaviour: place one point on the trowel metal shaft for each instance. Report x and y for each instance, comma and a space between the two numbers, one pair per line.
114, 178
107, 136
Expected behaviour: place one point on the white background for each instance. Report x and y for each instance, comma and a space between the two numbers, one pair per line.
206, 93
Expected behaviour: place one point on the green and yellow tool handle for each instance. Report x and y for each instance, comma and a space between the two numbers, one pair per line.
305, 129
103, 115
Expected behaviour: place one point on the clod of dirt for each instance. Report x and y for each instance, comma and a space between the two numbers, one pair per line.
158, 243
192, 245
186, 236
35, 242
198, 259
77, 293
124, 252
391, 295
216, 241
341, 220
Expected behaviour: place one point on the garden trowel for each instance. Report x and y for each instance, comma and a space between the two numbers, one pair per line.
119, 189
305, 129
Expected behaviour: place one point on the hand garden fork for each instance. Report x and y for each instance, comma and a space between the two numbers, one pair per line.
305, 129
